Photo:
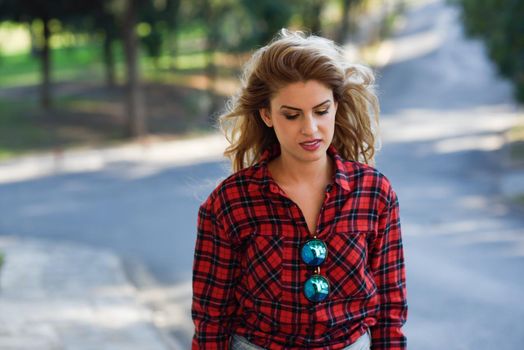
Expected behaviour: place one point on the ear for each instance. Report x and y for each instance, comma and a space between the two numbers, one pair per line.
266, 117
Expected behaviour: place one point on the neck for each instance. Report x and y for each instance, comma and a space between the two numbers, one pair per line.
291, 171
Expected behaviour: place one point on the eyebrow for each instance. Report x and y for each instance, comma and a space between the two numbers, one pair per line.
298, 109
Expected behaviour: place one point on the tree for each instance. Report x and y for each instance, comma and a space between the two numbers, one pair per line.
345, 23
268, 17
500, 24
27, 11
105, 22
161, 17
311, 15
126, 14
134, 94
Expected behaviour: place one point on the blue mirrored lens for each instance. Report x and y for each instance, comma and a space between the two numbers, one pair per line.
316, 288
314, 252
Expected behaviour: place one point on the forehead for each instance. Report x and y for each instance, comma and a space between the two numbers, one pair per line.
302, 94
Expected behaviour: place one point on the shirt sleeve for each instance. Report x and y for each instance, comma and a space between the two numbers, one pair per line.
215, 273
387, 264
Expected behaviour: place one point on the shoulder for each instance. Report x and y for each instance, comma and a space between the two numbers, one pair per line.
232, 188
369, 178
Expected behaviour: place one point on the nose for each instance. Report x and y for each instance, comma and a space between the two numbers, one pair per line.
309, 125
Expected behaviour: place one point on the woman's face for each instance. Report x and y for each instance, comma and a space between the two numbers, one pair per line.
303, 117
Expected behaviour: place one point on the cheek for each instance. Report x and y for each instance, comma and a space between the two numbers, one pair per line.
329, 122
282, 130
287, 132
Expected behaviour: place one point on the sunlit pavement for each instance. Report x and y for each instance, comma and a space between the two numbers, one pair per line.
146, 158
443, 113
65, 296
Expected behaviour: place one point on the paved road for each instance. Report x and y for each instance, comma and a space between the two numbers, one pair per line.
443, 108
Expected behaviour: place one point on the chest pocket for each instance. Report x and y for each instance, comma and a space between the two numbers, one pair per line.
346, 266
263, 266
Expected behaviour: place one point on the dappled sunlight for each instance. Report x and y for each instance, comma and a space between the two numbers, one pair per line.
433, 228
492, 236
461, 225
473, 202
413, 46
179, 291
221, 86
148, 158
71, 316
171, 305
451, 129
457, 279
468, 143
59, 293
13, 38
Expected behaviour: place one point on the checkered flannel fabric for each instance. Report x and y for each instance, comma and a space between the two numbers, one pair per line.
248, 276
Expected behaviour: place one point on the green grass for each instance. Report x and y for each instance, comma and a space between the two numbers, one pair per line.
25, 128
74, 63
84, 64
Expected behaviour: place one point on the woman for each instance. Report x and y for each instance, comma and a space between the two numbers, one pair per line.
301, 247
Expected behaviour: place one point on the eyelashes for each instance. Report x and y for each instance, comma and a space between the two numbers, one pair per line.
295, 116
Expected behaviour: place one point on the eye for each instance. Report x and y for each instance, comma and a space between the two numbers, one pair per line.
325, 111
291, 116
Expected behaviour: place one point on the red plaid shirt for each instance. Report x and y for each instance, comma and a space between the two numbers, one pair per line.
248, 276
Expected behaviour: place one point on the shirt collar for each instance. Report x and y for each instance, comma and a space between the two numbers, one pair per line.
341, 176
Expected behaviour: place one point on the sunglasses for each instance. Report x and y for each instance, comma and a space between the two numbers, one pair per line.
314, 253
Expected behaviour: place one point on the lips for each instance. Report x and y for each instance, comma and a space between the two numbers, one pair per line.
311, 145
310, 142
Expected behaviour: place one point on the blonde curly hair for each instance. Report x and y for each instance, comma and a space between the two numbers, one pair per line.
290, 57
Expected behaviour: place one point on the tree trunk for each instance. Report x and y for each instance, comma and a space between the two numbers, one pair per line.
311, 13
45, 88
344, 25
134, 96
109, 61
35, 49
173, 6
210, 48
316, 25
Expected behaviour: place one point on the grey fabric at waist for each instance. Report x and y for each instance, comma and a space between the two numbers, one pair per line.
241, 343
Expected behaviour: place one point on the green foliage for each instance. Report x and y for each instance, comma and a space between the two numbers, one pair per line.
2, 259
500, 23
267, 18
161, 19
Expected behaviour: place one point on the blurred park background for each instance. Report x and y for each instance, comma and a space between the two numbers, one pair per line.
86, 72
108, 139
